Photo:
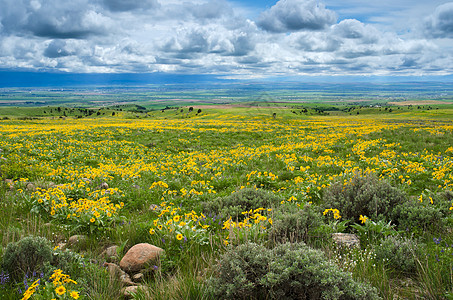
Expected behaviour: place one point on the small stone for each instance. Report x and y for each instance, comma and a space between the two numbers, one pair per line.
138, 277
114, 270
30, 187
87, 180
115, 273
77, 240
61, 246
10, 184
104, 186
111, 251
111, 254
154, 207
138, 256
126, 279
346, 239
128, 291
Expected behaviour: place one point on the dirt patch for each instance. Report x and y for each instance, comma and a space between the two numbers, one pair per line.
420, 102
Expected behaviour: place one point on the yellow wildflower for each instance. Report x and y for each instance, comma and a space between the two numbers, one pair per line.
60, 290
74, 294
363, 219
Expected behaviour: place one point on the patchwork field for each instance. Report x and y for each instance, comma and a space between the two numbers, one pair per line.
213, 186
420, 102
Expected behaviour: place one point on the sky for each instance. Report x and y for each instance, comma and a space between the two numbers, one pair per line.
235, 39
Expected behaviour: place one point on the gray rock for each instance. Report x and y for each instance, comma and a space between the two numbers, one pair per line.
127, 291
111, 251
346, 239
126, 280
10, 183
138, 277
31, 187
77, 240
115, 273
154, 207
114, 270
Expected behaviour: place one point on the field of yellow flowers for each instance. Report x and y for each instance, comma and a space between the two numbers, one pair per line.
159, 180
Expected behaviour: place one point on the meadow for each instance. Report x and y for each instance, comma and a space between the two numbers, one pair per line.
201, 184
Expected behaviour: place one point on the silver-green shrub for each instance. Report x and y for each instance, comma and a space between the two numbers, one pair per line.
294, 224
363, 195
288, 271
243, 200
27, 255
399, 253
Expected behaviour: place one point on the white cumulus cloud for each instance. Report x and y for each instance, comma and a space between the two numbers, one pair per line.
440, 23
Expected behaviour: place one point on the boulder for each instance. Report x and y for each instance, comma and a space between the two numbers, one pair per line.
346, 239
139, 256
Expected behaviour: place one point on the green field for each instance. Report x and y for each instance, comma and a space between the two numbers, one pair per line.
230, 193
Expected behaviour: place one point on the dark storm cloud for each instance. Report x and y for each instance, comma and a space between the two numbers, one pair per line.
295, 15
242, 45
56, 49
440, 23
52, 18
409, 62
